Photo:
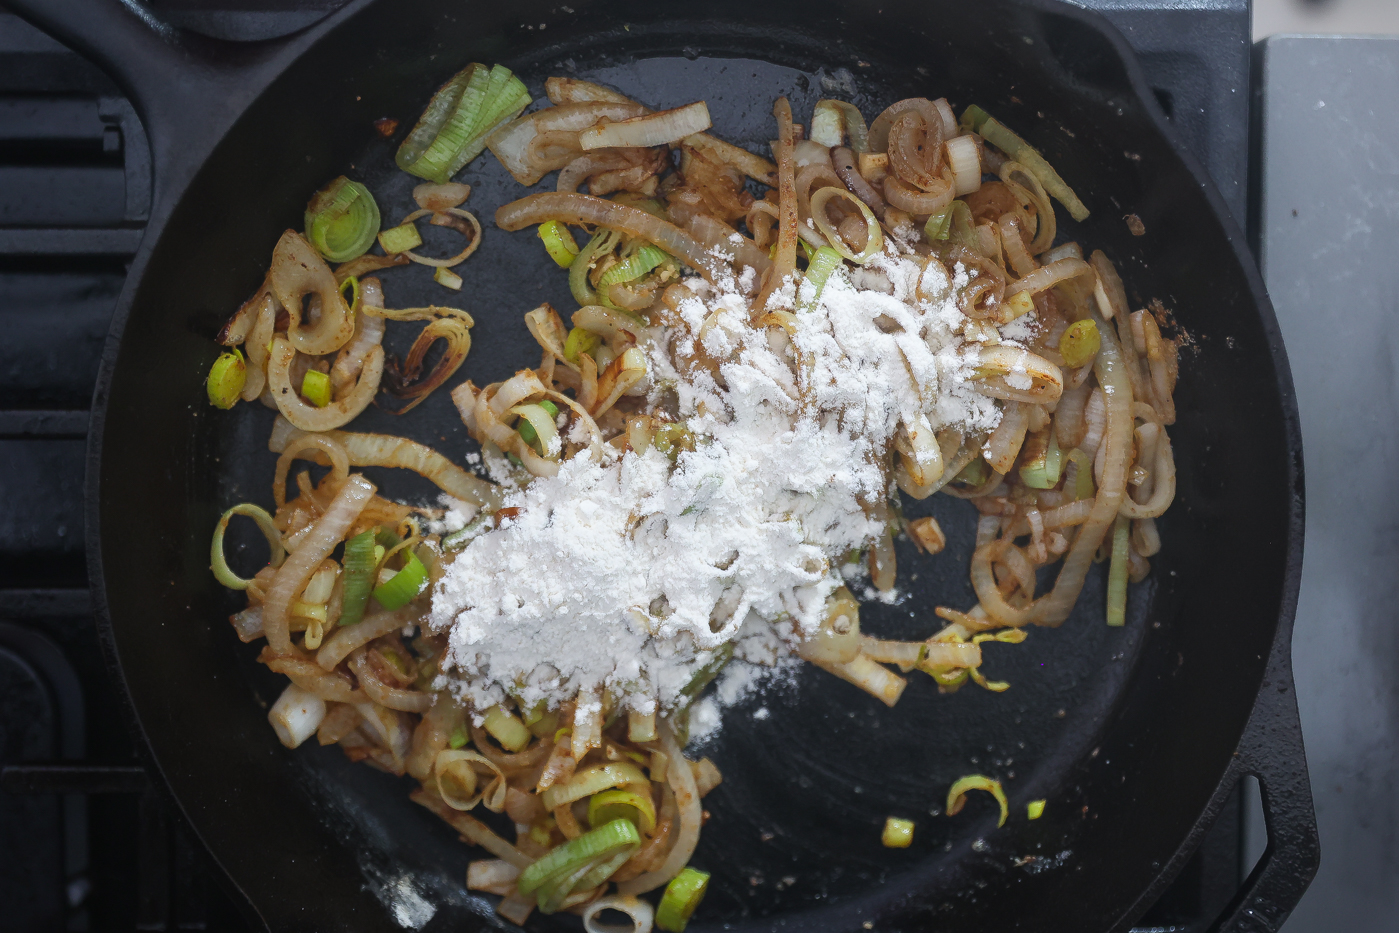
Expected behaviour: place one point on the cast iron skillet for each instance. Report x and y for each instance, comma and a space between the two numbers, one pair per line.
1134, 736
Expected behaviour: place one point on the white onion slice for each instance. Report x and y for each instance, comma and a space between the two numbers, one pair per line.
665, 127
296, 715
641, 913
965, 160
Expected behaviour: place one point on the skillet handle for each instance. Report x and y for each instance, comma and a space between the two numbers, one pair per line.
187, 88
1271, 750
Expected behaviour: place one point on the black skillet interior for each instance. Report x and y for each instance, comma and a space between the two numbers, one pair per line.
1125, 732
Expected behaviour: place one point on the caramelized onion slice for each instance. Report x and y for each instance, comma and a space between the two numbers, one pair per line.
298, 271
309, 417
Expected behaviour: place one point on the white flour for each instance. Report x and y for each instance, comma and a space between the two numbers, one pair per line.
630, 574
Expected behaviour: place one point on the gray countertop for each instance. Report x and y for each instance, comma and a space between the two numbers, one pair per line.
1329, 245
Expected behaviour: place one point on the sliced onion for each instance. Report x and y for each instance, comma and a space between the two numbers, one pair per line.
875, 236
714, 234
348, 638
309, 417
369, 333
494, 876
472, 245
915, 150
843, 161
386, 695
965, 159
385, 450
587, 165
641, 914
297, 271
473, 829
585, 209
880, 128
329, 686
457, 766
907, 198
994, 364
575, 91
441, 197
665, 127
687, 800
328, 531
404, 382
754, 166
511, 143
949, 119
550, 445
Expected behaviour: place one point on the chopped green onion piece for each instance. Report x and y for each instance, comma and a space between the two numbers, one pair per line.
400, 590
1117, 572
1043, 472
807, 248
447, 278
515, 460
270, 531
939, 225
680, 899
702, 677
592, 857
1035, 809
505, 727
459, 737
360, 561
400, 239
974, 473
823, 262
226, 379
963, 231
995, 686
579, 341
352, 300
898, 834
670, 439
558, 242
622, 804
957, 794
998, 135
1020, 303
602, 243
342, 219
527, 430
634, 267
315, 388
1083, 478
474, 529
1080, 343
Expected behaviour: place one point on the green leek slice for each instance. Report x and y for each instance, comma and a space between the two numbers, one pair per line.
680, 899
1117, 573
474, 529
359, 577
558, 242
400, 239
602, 243
1080, 343
459, 737
226, 379
315, 388
527, 430
1034, 809
400, 590
579, 341
1044, 471
939, 225
567, 866
269, 530
453, 129
622, 804
634, 267
823, 262
342, 220
1000, 136
957, 794
898, 833
505, 727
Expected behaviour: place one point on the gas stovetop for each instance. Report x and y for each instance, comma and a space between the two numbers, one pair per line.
88, 845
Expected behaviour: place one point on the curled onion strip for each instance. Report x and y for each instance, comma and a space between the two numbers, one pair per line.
339, 462
328, 531
403, 382
389, 697
470, 827
1164, 491
682, 780
471, 245
329, 686
348, 638
843, 161
269, 531
997, 366
455, 764
309, 417
585, 209
369, 332
874, 243
297, 271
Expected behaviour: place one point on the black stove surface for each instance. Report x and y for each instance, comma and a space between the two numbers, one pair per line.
85, 843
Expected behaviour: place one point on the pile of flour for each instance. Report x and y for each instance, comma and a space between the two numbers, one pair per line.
630, 573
